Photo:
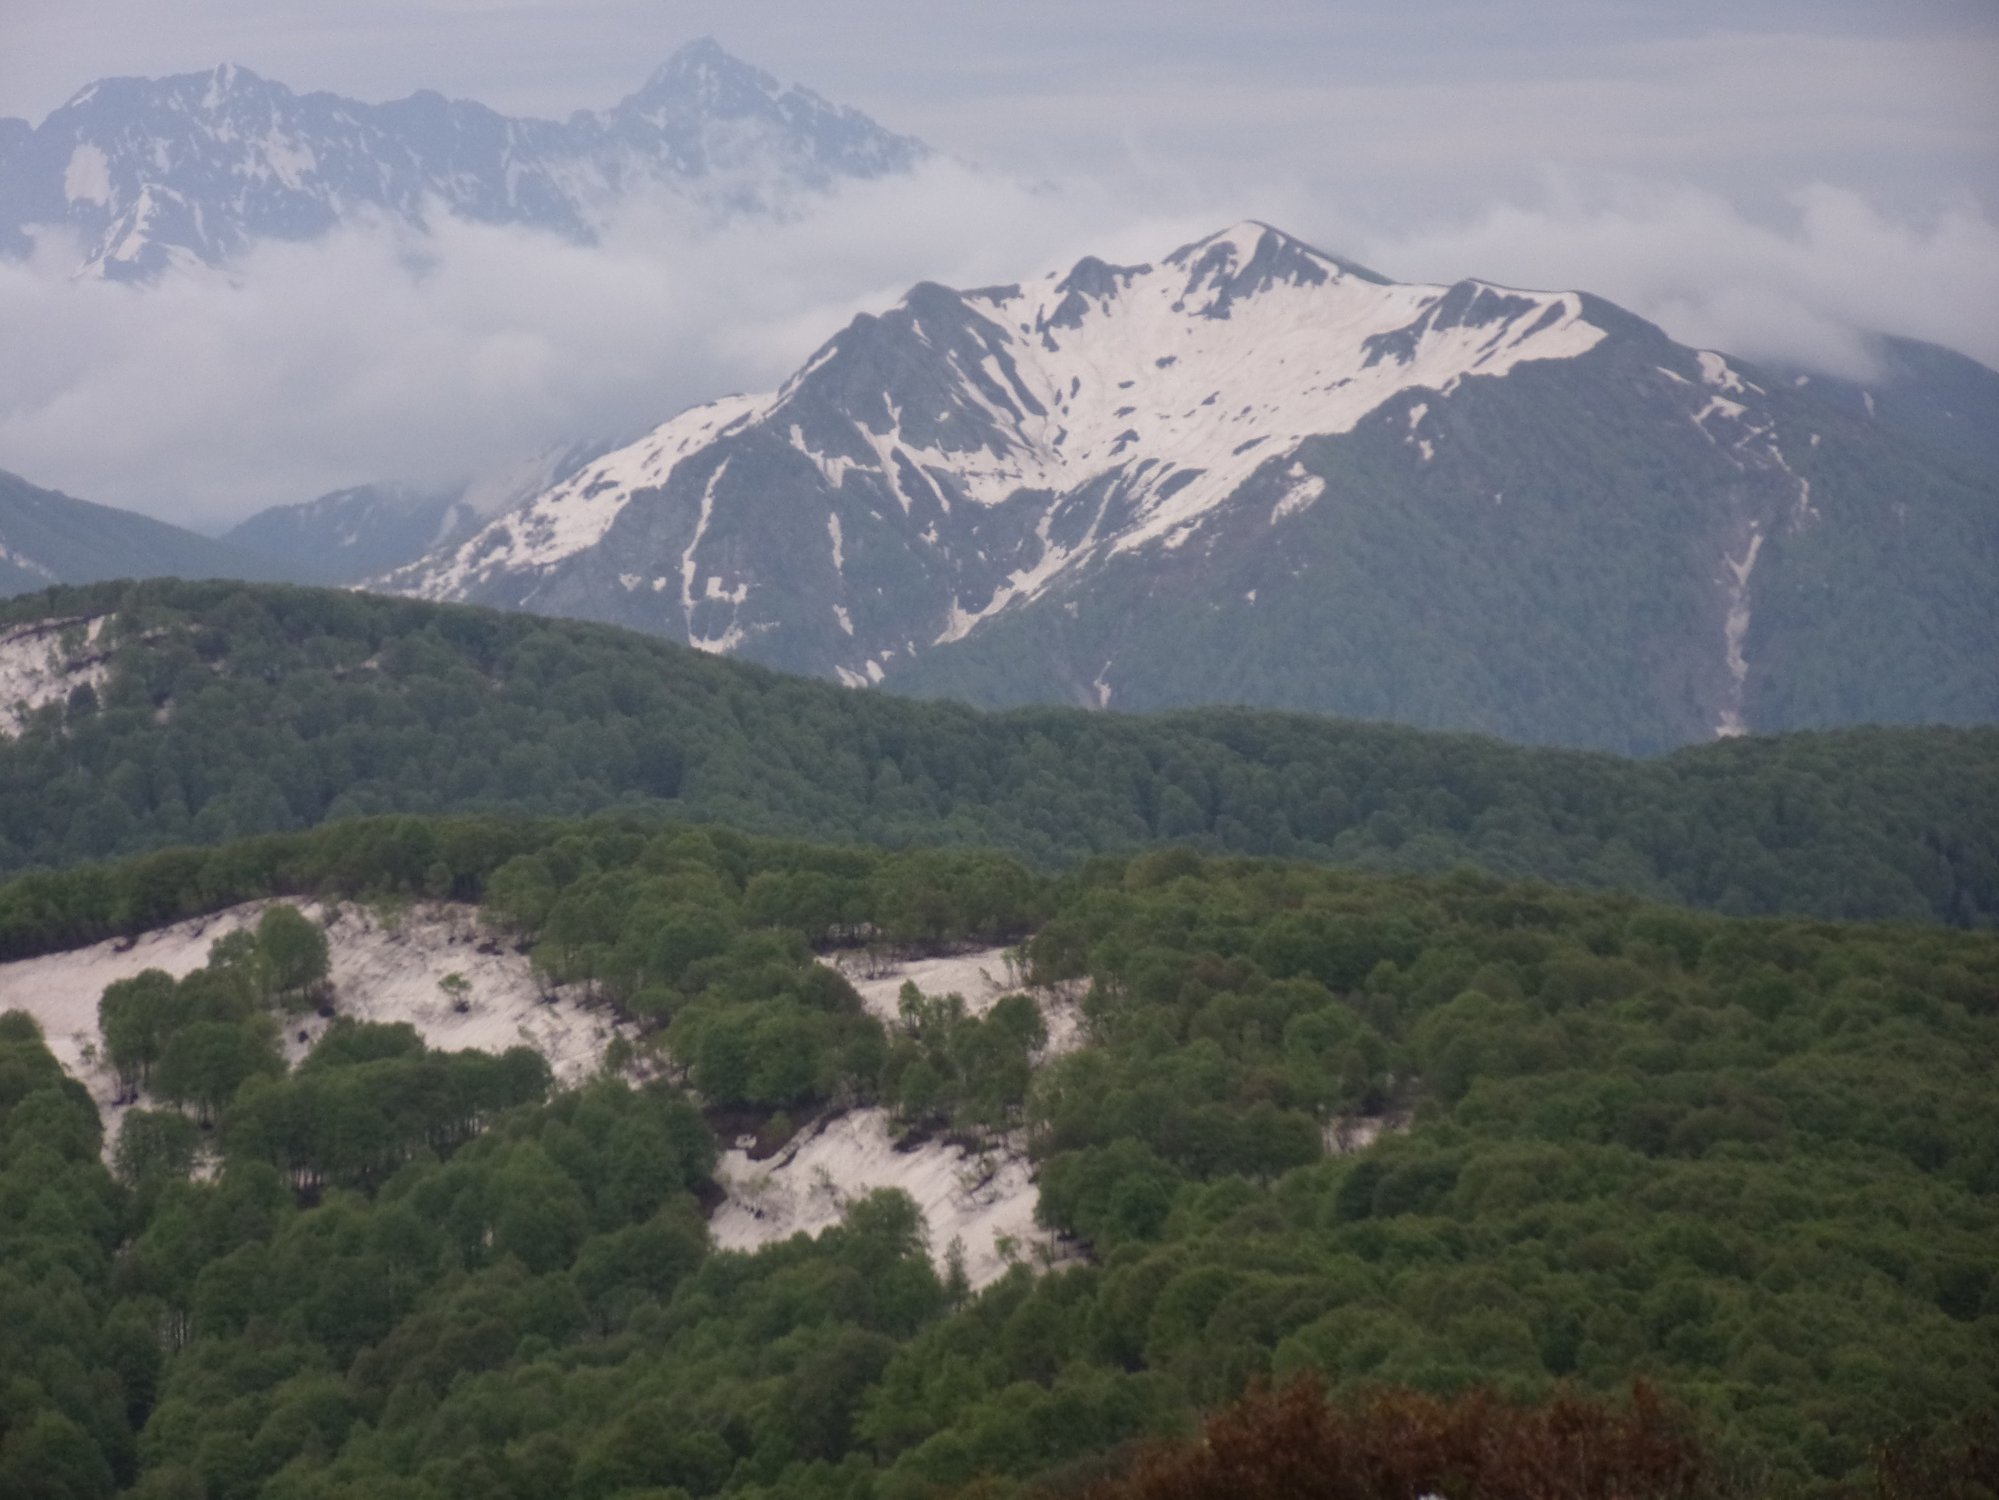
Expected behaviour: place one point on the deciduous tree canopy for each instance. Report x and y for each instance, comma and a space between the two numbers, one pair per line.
238, 709
1753, 1162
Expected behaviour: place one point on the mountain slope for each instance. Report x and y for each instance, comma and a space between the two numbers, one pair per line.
192, 169
1934, 395
1256, 473
222, 710
352, 534
1609, 1141
348, 534
47, 537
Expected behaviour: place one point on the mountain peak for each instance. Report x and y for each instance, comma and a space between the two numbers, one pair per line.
705, 52
208, 89
225, 80
1250, 257
1245, 259
193, 168
1239, 241
705, 73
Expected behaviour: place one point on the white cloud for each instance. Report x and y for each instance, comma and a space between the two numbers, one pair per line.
1803, 288
373, 354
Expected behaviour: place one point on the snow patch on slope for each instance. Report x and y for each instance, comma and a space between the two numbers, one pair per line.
985, 1200
1715, 371
383, 969
43, 662
575, 515
1304, 490
1736, 632
690, 569
980, 978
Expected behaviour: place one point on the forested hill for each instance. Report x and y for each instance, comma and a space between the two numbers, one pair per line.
198, 713
1755, 1163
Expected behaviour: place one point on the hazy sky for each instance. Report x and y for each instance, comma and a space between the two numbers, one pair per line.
1763, 175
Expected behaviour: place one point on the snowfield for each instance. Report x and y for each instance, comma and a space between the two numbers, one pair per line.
384, 969
1164, 388
984, 1201
37, 668
572, 516
979, 978
387, 967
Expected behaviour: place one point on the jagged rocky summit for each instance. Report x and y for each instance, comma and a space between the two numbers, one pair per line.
192, 169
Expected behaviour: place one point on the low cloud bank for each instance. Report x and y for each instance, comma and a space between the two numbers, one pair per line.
381, 354
1807, 286
378, 354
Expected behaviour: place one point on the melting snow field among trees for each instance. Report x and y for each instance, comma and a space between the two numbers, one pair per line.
981, 1201
406, 965
388, 965
44, 662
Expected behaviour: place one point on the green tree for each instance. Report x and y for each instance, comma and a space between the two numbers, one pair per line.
155, 1147
206, 1062
136, 1016
296, 949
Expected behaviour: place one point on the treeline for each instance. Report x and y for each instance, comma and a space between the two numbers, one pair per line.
573, 884
1755, 1163
232, 710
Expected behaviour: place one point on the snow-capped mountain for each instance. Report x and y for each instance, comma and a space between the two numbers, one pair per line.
190, 169
1253, 472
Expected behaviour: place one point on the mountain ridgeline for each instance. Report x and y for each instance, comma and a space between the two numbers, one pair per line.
163, 713
192, 170
47, 537
1254, 473
347, 536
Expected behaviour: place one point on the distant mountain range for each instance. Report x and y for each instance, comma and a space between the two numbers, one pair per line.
1255, 473
47, 537
353, 534
190, 170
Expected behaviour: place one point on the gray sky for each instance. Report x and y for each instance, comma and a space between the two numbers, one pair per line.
1763, 176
